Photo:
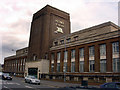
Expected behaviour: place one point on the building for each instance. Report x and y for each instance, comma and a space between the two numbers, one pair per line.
91, 54
43, 27
16, 64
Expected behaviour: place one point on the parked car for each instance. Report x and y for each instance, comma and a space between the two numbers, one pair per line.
111, 85
0, 75
32, 79
6, 76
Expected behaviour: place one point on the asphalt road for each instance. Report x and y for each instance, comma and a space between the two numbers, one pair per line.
19, 83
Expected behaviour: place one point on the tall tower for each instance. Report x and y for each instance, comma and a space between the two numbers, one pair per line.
45, 23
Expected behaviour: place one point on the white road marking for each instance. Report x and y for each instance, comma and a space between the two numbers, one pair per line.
28, 86
5, 87
5, 82
17, 83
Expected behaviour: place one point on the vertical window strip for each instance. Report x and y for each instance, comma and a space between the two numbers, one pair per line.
58, 62
115, 47
91, 51
102, 49
65, 61
103, 65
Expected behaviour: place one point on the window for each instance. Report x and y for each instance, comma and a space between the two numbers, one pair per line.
116, 65
52, 62
73, 67
91, 51
81, 66
65, 62
52, 57
62, 41
65, 67
58, 62
76, 38
56, 43
58, 67
52, 67
81, 52
73, 53
69, 39
103, 65
110, 85
115, 47
58, 56
65, 55
91, 65
102, 50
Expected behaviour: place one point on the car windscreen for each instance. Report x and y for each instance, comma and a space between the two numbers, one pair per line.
32, 77
6, 74
118, 85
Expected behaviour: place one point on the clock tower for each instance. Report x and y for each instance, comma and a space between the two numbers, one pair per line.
45, 24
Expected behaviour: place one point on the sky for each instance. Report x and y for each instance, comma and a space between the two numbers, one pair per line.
16, 17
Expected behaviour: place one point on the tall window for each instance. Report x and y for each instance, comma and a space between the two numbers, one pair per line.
52, 67
81, 59
65, 61
52, 62
52, 57
116, 61
73, 53
72, 66
103, 65
68, 40
116, 65
73, 60
58, 62
81, 66
91, 65
115, 47
102, 49
81, 52
91, 51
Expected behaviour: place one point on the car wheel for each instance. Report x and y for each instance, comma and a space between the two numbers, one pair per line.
25, 81
38, 83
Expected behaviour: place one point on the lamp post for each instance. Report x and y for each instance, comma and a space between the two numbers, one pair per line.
14, 63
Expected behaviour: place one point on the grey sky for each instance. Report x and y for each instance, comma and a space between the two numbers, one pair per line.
16, 17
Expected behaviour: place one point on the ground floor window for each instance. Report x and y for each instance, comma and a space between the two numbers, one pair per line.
52, 67
58, 67
81, 66
65, 67
91, 66
116, 65
103, 65
72, 66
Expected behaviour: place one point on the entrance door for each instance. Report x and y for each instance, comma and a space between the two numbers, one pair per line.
33, 71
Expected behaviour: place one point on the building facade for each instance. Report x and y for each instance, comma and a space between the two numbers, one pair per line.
91, 54
16, 64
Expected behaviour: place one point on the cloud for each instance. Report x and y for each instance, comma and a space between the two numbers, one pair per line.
16, 17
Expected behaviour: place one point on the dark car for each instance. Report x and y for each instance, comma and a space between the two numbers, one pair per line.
6, 76
111, 85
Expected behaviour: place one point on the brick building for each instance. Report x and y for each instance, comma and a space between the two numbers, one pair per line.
91, 54
16, 64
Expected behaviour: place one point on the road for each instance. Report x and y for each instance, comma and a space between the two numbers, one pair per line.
18, 83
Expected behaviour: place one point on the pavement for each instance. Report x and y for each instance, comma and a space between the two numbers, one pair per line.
58, 84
